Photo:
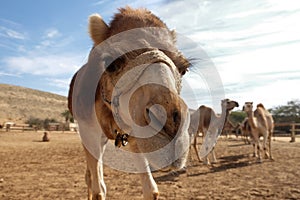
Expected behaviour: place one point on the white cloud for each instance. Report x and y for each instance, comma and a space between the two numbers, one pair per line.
60, 83
248, 41
52, 33
9, 74
10, 33
45, 65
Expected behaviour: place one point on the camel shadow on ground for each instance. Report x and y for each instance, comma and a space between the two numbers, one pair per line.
226, 163
170, 176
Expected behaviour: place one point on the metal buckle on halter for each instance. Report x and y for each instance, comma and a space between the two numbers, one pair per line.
121, 139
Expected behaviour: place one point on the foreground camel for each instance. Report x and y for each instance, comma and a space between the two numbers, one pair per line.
129, 92
205, 120
261, 124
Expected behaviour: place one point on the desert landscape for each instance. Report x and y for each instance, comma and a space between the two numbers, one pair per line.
18, 104
31, 169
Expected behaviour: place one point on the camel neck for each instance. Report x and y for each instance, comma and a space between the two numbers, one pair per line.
224, 114
251, 119
223, 118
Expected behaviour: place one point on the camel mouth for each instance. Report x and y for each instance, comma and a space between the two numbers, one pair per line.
236, 104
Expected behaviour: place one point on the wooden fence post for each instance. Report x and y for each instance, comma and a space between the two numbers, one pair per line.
293, 134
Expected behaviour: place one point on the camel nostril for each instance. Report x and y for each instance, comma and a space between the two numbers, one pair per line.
175, 116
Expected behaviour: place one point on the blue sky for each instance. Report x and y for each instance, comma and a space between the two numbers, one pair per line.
253, 45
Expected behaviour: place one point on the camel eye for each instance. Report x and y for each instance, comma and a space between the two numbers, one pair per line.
113, 65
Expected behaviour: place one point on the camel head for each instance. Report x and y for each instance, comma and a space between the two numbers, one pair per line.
248, 107
140, 87
228, 104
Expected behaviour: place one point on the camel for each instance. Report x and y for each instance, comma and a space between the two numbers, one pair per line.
245, 130
261, 124
205, 120
228, 128
129, 92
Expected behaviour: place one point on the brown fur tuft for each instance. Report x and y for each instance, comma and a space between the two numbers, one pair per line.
129, 18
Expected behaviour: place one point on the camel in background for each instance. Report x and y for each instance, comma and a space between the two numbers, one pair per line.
136, 99
261, 124
205, 119
245, 130
229, 127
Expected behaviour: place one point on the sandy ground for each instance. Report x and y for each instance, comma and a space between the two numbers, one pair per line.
31, 169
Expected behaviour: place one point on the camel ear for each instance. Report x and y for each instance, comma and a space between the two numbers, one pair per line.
97, 28
174, 35
251, 103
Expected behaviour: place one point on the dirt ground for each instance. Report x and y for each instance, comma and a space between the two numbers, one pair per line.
31, 169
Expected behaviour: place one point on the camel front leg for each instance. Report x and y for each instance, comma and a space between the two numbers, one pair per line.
206, 161
195, 147
269, 140
265, 140
94, 177
150, 190
254, 149
214, 158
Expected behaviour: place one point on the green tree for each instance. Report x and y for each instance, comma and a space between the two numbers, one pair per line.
237, 116
32, 121
287, 113
68, 116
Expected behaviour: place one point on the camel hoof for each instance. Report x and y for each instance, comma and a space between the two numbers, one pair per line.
207, 163
214, 162
98, 197
267, 156
155, 196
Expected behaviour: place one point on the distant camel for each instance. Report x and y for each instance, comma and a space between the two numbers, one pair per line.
262, 124
209, 121
228, 128
245, 129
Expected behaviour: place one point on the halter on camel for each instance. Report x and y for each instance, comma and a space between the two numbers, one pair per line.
85, 83
125, 84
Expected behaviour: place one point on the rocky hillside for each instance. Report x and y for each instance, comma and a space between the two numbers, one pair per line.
18, 104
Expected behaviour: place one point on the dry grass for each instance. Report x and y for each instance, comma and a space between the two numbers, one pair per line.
18, 104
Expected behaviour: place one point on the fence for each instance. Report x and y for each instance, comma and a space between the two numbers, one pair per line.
294, 128
21, 127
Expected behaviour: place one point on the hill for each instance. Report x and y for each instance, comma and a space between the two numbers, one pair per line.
18, 104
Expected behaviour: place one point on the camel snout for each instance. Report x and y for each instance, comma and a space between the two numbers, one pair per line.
236, 104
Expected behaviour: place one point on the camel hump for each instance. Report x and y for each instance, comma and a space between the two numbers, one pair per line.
260, 105
260, 114
202, 107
